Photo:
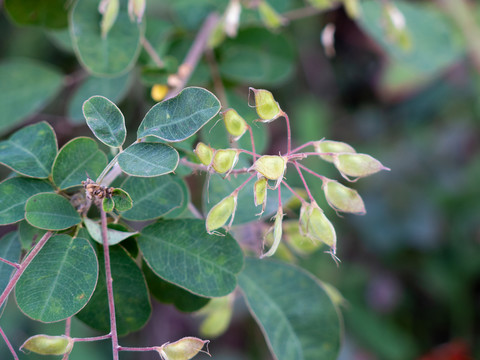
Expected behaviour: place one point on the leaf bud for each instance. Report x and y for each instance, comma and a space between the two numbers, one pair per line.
224, 160
183, 349
314, 224
48, 345
108, 204
109, 11
271, 166
277, 233
219, 214
234, 123
330, 146
342, 198
269, 16
260, 193
357, 165
266, 106
204, 153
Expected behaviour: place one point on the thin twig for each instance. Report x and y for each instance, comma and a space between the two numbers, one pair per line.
304, 182
68, 327
9, 345
151, 51
293, 191
15, 265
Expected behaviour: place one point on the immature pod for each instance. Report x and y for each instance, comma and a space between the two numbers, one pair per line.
109, 10
320, 228
234, 123
342, 198
48, 345
260, 193
183, 349
204, 153
266, 106
303, 219
272, 19
224, 160
271, 167
277, 233
136, 9
219, 214
357, 165
330, 146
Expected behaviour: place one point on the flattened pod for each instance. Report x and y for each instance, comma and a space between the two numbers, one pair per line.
219, 214
48, 345
271, 166
342, 198
266, 106
234, 123
183, 349
224, 160
357, 165
330, 146
260, 192
277, 233
320, 228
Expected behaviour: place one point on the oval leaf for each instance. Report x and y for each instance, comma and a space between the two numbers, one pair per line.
114, 236
105, 120
122, 200
76, 160
51, 212
132, 303
30, 151
179, 118
296, 314
39, 83
14, 193
111, 55
148, 159
181, 252
59, 281
152, 197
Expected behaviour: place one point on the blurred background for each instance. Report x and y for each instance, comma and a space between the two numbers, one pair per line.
409, 96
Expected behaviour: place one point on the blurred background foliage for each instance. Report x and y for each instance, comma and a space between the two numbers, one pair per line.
410, 270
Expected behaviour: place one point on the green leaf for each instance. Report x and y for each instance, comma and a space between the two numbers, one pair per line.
152, 197
122, 199
77, 159
256, 56
114, 236
14, 193
39, 83
29, 234
30, 151
51, 212
181, 252
183, 208
168, 293
112, 88
132, 303
108, 204
105, 120
148, 159
9, 250
292, 308
180, 117
111, 55
46, 13
59, 281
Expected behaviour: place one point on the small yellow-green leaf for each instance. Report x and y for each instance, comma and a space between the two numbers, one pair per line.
48, 345
329, 146
234, 123
224, 160
183, 349
271, 166
219, 214
357, 165
266, 106
342, 198
204, 153
218, 315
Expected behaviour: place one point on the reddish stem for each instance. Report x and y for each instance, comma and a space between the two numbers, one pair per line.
9, 345
323, 178
303, 146
293, 191
15, 265
289, 134
109, 280
126, 348
23, 266
253, 143
304, 182
244, 183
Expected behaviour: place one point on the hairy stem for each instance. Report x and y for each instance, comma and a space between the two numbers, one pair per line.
253, 143
323, 178
15, 265
304, 182
9, 345
310, 143
109, 281
94, 338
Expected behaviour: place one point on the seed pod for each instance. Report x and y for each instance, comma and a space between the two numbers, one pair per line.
329, 146
234, 123
271, 166
342, 198
219, 214
136, 9
277, 233
109, 11
269, 16
299, 243
183, 349
224, 160
204, 153
266, 106
260, 193
303, 219
357, 165
320, 228
159, 91
48, 345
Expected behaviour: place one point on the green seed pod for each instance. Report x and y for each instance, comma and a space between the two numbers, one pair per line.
320, 228
183, 349
234, 123
136, 9
260, 193
329, 146
271, 166
48, 345
219, 214
218, 314
109, 11
224, 160
357, 165
342, 198
270, 18
204, 153
277, 233
266, 106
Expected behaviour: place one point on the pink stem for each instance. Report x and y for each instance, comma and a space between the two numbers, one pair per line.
293, 191
15, 265
9, 345
68, 327
247, 152
23, 266
244, 183
95, 338
253, 143
323, 178
109, 280
303, 146
126, 348
304, 182
289, 135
